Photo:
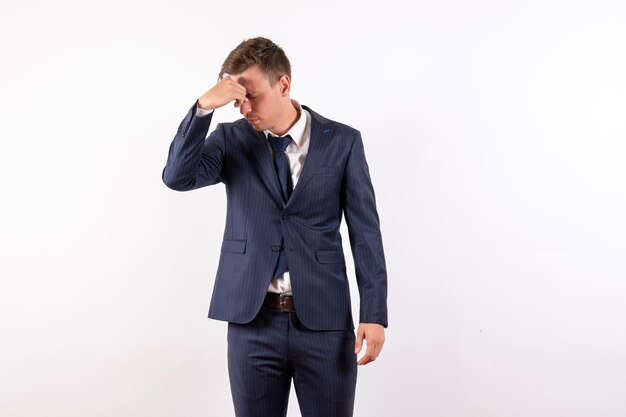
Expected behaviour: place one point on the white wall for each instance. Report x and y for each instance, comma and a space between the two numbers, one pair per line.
496, 140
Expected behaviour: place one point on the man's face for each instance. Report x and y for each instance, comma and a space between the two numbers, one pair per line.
265, 104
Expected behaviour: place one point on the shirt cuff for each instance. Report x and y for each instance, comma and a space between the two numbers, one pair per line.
200, 112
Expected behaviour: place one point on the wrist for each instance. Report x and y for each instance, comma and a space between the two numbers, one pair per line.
205, 105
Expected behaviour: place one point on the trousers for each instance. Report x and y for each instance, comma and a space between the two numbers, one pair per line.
265, 354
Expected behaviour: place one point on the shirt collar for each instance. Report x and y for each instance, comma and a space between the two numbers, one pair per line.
297, 130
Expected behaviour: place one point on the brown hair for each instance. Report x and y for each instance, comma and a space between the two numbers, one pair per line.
270, 57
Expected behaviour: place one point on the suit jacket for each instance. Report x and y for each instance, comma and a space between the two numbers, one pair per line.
334, 180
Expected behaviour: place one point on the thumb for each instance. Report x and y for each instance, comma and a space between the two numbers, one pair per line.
359, 341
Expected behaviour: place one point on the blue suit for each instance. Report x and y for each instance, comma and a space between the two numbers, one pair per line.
334, 181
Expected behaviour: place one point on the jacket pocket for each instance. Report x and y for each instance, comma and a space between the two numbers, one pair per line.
234, 245
330, 256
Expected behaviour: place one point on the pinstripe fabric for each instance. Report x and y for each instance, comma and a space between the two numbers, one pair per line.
274, 347
334, 181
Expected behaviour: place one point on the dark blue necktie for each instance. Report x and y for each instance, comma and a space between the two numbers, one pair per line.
281, 163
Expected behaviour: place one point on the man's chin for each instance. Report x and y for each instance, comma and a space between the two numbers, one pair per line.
256, 124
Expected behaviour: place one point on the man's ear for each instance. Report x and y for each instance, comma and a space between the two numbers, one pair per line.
285, 84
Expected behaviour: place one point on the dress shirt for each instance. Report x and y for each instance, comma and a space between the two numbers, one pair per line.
296, 153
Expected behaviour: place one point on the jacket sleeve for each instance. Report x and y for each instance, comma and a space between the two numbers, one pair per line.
194, 160
359, 206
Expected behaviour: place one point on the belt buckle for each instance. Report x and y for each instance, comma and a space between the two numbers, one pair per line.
282, 298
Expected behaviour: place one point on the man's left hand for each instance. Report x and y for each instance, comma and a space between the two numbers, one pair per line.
374, 335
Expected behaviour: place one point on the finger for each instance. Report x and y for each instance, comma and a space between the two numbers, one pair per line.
231, 87
366, 359
226, 76
371, 351
236, 86
240, 100
377, 348
359, 342
239, 95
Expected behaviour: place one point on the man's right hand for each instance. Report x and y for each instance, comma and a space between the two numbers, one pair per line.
222, 93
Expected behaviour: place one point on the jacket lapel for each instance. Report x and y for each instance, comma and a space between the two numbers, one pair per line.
320, 134
264, 163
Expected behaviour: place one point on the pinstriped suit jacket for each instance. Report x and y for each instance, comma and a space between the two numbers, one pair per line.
334, 181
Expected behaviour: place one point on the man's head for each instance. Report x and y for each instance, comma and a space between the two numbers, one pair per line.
263, 69
270, 58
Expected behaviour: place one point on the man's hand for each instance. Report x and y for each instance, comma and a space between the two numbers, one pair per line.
222, 93
374, 334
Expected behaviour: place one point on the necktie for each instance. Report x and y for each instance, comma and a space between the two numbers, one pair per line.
281, 164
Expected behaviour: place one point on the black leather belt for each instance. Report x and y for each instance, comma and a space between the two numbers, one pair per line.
282, 302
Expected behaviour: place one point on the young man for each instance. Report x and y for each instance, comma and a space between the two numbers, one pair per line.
281, 281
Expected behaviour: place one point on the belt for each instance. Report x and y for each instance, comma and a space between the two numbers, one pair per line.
282, 302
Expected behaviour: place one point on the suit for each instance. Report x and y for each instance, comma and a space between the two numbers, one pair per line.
334, 181
313, 345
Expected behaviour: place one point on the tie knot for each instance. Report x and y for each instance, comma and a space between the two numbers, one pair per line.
279, 143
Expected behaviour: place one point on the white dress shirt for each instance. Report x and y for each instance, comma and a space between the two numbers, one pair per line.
296, 153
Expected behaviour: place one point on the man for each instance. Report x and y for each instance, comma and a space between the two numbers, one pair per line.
281, 281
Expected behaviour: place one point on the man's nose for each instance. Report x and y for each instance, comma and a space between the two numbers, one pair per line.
245, 108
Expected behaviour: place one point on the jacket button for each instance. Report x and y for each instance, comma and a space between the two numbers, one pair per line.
276, 248
284, 216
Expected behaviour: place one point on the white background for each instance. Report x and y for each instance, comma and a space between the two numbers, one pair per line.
496, 140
